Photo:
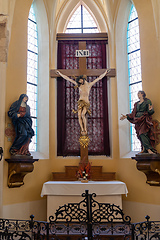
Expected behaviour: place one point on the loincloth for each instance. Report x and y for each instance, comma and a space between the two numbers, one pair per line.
81, 105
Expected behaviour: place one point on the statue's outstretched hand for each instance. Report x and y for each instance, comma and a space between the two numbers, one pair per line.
150, 107
123, 117
108, 70
57, 72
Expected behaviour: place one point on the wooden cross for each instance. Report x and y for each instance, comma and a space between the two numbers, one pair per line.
82, 60
82, 67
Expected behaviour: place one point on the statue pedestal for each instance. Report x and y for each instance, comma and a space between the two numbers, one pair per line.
18, 167
149, 164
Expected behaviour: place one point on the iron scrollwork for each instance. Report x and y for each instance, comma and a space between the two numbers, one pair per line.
87, 218
15, 229
1, 153
91, 218
146, 230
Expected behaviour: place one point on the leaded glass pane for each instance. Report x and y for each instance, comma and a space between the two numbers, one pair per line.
32, 73
73, 30
81, 22
134, 68
133, 14
88, 20
31, 14
135, 144
92, 30
133, 90
33, 144
75, 21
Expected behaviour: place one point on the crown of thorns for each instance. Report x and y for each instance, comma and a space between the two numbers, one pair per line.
84, 77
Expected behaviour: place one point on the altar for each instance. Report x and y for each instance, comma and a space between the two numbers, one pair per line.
62, 192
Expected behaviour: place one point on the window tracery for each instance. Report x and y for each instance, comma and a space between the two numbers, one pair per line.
134, 68
82, 22
32, 72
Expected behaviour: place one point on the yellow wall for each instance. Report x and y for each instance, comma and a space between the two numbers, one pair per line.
126, 170
15, 85
139, 191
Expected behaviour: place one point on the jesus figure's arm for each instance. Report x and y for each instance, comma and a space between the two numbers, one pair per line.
100, 77
67, 78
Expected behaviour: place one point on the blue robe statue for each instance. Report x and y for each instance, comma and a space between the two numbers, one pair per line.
19, 112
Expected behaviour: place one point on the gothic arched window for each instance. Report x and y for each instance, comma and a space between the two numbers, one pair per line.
32, 72
68, 130
82, 22
134, 68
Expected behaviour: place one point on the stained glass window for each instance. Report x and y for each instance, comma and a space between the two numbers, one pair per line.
32, 73
82, 22
134, 68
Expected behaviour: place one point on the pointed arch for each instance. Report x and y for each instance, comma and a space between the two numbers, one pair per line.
43, 81
81, 20
32, 73
123, 74
134, 68
64, 14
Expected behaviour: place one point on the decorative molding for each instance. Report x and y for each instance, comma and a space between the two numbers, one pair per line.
156, 14
82, 36
3, 38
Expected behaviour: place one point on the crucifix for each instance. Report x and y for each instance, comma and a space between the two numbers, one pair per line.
84, 88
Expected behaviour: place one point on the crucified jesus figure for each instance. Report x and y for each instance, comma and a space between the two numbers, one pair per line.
83, 102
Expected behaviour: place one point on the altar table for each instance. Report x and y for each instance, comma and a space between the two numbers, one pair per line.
60, 193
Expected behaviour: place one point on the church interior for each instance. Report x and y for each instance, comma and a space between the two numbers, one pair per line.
52, 18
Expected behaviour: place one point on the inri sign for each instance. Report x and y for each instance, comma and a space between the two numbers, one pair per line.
82, 53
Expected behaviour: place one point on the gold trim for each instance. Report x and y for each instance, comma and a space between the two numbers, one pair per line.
84, 141
153, 182
15, 184
157, 170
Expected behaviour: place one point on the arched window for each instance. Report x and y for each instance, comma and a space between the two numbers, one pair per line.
68, 130
32, 72
134, 68
82, 22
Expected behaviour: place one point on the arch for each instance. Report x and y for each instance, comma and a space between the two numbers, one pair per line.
43, 80
32, 73
85, 8
134, 68
66, 12
122, 75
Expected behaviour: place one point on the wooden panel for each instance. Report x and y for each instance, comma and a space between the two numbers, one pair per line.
76, 72
70, 174
82, 60
82, 36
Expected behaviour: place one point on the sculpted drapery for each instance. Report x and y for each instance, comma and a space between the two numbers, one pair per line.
141, 116
22, 122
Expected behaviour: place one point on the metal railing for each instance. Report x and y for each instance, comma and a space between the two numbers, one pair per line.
1, 153
87, 219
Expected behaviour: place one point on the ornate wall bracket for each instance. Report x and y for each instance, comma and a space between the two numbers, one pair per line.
18, 168
149, 164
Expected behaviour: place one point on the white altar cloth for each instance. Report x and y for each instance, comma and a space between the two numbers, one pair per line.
63, 192
77, 188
